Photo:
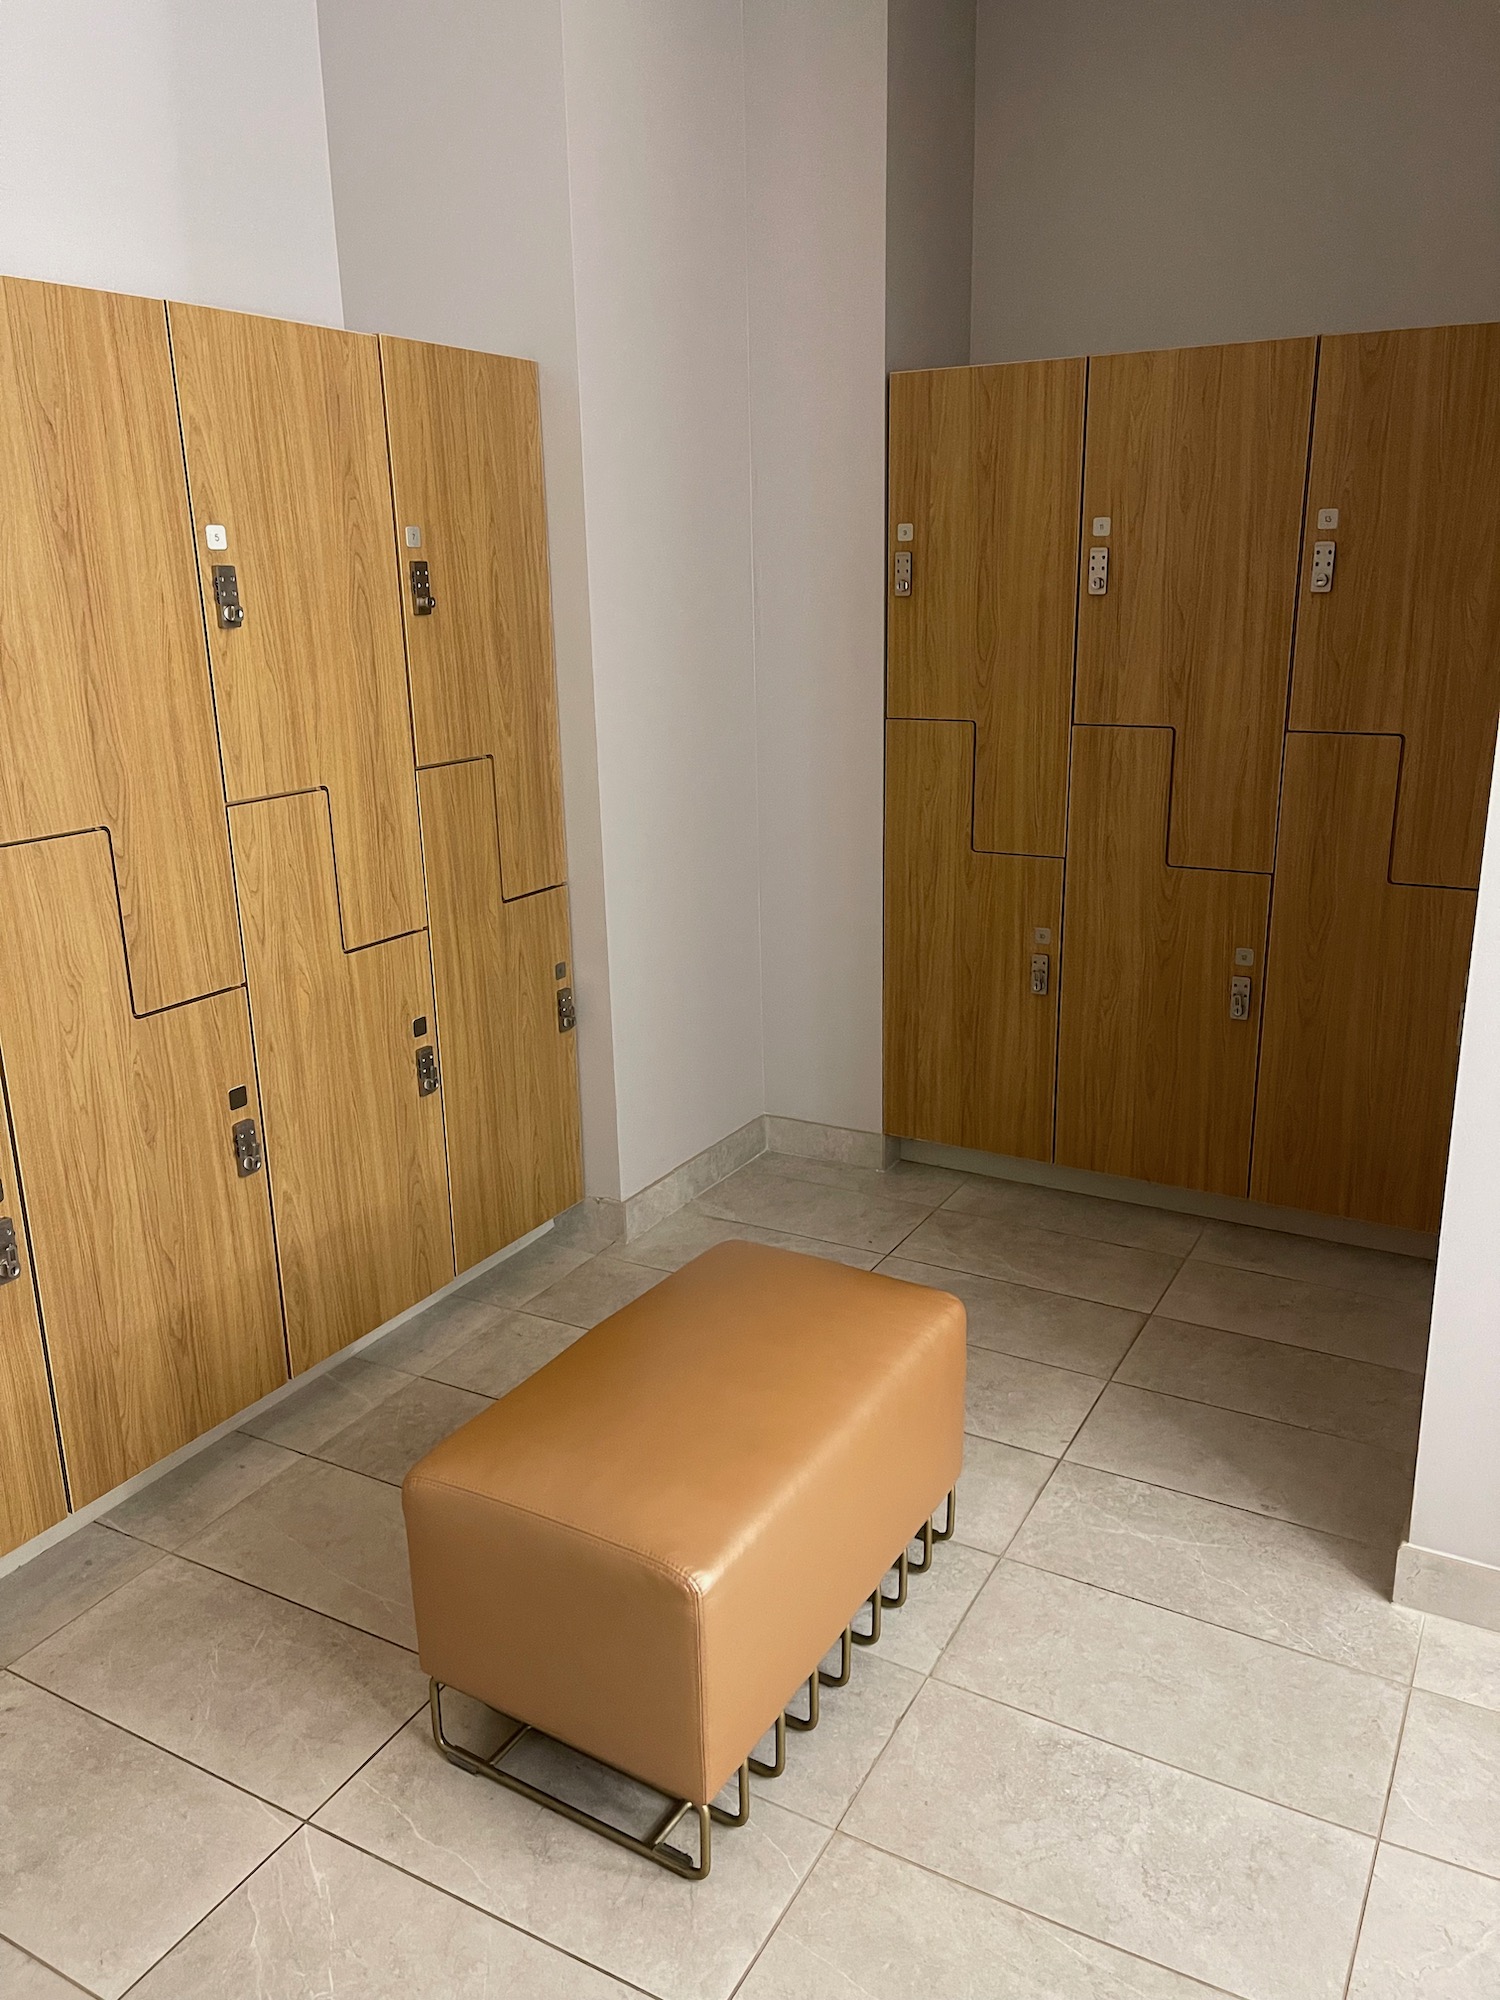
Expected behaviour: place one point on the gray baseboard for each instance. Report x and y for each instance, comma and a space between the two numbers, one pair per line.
1448, 1586
807, 1140
653, 1204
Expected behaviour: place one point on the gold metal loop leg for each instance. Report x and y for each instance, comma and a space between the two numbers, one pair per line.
945, 1533
903, 1572
846, 1662
773, 1770
924, 1536
810, 1720
741, 1817
869, 1638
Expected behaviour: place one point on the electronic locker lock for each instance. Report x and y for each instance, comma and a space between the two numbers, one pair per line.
1041, 971
903, 573
1321, 580
427, 1070
227, 597
567, 1013
10, 1252
248, 1158
423, 603
1239, 997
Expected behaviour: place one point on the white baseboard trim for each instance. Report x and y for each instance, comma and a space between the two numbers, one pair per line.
849, 1147
1448, 1586
1186, 1201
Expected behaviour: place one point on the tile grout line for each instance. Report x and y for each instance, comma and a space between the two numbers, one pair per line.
1364, 1904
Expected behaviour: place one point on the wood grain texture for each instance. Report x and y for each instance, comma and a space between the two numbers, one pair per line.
969, 1049
31, 1485
1154, 1080
985, 464
355, 1156
1407, 447
466, 466
510, 1095
1198, 457
285, 435
154, 1260
106, 712
1364, 993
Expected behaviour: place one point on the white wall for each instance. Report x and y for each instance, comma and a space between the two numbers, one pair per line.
1153, 176
929, 183
168, 148
816, 114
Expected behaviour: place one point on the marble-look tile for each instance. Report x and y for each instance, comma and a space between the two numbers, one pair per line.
903, 1181
182, 1503
1037, 1326
868, 1926
418, 1344
996, 1490
595, 1290
388, 1440
1267, 1378
826, 1766
110, 1850
1344, 1488
1430, 1932
1445, 1800
1282, 1725
1310, 1591
23, 1977
1391, 1332
935, 1604
681, 1940
530, 1271
1026, 1403
324, 1537
320, 1918
1110, 1273
691, 1231
310, 1416
799, 1207
1460, 1660
1073, 1214
46, 1592
273, 1697
503, 1354
1377, 1274
1226, 1888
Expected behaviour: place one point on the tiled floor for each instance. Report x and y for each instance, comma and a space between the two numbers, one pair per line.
1149, 1730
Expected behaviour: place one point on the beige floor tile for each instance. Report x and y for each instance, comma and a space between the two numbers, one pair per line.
905, 1181
690, 1232
1446, 1797
996, 1491
1323, 1482
310, 1416
1431, 1932
1377, 1274
1073, 1214
1460, 1660
324, 1537
23, 1977
182, 1503
807, 1208
273, 1697
1287, 1727
681, 1940
388, 1440
935, 1603
826, 1766
119, 1849
1026, 1403
46, 1592
416, 1346
868, 1926
1391, 1332
1310, 1591
530, 1271
501, 1356
1267, 1378
1038, 1326
1225, 1888
1109, 1273
593, 1291
321, 1918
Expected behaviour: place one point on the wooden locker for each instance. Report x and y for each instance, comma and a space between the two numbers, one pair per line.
1197, 459
985, 466
105, 707
466, 467
284, 430
510, 1095
31, 1484
1155, 1080
1364, 993
154, 1257
355, 1153
970, 1049
1406, 449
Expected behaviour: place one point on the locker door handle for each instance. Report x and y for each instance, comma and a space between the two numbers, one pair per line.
10, 1252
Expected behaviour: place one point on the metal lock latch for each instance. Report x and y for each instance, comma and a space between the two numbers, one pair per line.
567, 1013
227, 597
903, 572
1098, 572
1239, 998
427, 1070
247, 1153
423, 603
1041, 971
1322, 568
10, 1252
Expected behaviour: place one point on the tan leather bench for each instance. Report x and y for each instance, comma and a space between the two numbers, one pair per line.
649, 1546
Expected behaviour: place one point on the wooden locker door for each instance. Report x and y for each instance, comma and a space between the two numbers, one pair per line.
154, 1257
466, 467
510, 1080
355, 1153
284, 430
969, 1048
1197, 459
985, 465
1406, 450
1155, 1080
106, 713
31, 1484
1364, 992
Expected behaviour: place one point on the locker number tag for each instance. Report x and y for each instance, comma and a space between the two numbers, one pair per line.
1101, 525
903, 531
216, 536
414, 538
